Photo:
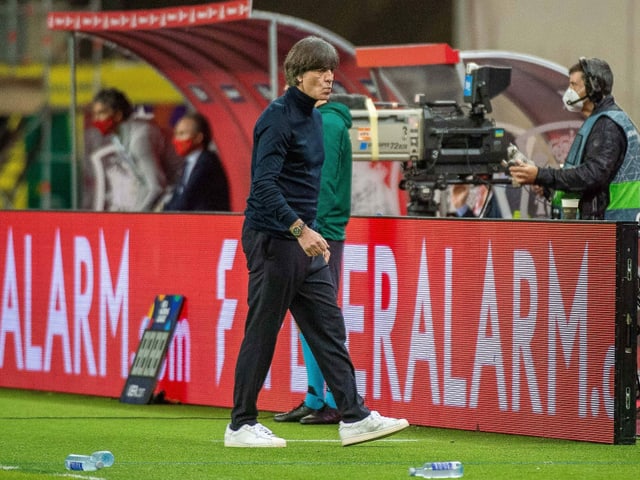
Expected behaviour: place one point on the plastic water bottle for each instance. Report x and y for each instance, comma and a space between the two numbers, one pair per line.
89, 463
438, 470
83, 463
104, 456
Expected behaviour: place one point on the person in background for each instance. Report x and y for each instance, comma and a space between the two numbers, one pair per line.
135, 173
203, 185
459, 195
334, 210
603, 164
287, 257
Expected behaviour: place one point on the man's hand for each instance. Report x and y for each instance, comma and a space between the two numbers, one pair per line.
517, 159
524, 173
459, 194
313, 243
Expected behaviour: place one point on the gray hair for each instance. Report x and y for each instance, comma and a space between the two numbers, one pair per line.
310, 53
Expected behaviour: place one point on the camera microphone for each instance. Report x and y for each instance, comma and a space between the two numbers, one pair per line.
573, 102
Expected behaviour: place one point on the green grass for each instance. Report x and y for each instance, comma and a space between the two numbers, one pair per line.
182, 442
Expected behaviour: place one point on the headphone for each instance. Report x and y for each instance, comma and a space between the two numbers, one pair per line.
591, 82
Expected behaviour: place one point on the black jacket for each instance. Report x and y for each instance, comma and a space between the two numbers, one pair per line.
602, 157
286, 164
206, 189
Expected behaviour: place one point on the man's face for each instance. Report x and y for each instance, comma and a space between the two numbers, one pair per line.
317, 83
105, 118
186, 137
576, 83
101, 112
186, 130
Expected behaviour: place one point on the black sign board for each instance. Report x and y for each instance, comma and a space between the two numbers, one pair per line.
143, 375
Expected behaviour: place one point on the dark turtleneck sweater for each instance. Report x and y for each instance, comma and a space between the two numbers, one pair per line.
285, 165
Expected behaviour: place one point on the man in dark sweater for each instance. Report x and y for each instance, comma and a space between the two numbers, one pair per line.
287, 257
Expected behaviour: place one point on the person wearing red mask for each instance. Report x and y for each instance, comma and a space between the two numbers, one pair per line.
133, 163
203, 185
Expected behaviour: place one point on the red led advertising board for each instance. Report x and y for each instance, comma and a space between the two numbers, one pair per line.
500, 326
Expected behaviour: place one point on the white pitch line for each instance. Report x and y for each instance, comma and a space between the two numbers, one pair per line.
65, 475
73, 475
326, 440
390, 440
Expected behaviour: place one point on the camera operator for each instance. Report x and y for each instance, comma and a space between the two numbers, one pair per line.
603, 164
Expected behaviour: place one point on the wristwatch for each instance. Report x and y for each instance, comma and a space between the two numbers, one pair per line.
296, 230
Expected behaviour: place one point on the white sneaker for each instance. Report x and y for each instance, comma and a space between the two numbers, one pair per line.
373, 427
252, 436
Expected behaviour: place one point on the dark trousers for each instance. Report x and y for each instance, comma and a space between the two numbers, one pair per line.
281, 278
336, 247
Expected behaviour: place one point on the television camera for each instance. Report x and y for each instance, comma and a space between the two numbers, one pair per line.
437, 143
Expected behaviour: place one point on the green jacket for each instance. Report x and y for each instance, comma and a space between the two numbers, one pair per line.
334, 200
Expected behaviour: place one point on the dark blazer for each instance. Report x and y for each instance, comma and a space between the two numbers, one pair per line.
207, 188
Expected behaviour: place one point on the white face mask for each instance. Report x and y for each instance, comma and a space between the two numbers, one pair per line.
572, 101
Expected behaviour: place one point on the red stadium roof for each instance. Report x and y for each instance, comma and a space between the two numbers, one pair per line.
223, 57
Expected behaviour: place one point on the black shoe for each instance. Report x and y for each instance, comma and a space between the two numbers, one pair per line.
294, 415
325, 416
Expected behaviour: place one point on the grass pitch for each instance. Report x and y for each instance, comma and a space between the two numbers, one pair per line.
150, 442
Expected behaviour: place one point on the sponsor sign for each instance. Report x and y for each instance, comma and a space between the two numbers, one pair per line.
500, 326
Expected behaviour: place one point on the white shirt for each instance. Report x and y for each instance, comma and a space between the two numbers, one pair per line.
189, 163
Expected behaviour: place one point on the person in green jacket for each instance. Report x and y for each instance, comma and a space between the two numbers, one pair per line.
334, 210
